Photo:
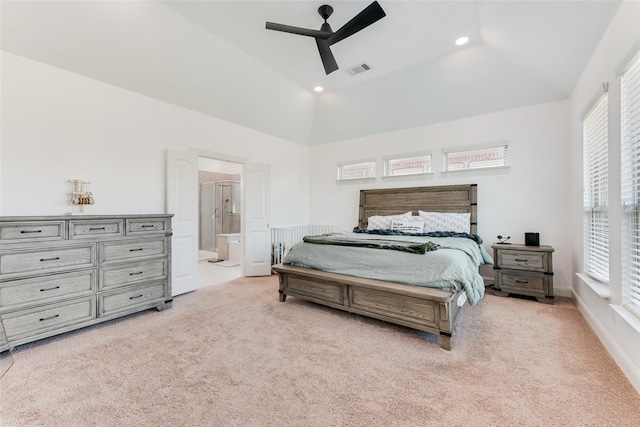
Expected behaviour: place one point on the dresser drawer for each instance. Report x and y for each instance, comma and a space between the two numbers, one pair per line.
26, 323
130, 250
92, 228
122, 275
17, 293
523, 260
146, 225
131, 299
14, 232
526, 283
54, 259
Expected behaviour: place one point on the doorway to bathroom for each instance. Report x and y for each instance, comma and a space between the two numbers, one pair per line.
220, 218
220, 221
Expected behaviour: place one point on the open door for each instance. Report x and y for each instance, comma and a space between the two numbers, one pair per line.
182, 202
257, 213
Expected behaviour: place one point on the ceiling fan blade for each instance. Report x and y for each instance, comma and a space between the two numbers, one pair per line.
329, 62
297, 30
368, 16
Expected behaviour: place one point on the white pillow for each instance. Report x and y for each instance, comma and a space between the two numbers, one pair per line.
446, 221
379, 222
407, 226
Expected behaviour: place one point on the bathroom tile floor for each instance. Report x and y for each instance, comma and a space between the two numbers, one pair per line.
214, 274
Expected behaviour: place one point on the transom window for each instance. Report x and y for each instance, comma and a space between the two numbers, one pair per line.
407, 165
356, 170
479, 158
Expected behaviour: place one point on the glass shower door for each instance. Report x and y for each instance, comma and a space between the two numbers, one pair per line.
207, 214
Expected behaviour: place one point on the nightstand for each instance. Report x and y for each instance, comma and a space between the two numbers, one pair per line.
523, 270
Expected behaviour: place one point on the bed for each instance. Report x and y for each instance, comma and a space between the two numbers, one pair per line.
423, 308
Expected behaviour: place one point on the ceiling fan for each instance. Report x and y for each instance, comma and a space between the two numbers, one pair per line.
325, 37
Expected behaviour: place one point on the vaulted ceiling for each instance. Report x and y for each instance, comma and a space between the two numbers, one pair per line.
217, 58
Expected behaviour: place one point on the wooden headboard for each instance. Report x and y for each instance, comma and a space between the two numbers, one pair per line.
393, 201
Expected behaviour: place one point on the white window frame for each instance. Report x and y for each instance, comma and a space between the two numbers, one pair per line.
461, 150
595, 143
399, 157
364, 163
630, 179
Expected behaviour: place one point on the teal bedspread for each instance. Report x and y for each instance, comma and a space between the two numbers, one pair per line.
454, 266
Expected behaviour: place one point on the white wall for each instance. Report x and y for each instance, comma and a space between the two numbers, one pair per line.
619, 333
220, 166
149, 48
57, 126
533, 195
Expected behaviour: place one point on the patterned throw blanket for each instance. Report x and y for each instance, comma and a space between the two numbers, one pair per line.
341, 240
473, 237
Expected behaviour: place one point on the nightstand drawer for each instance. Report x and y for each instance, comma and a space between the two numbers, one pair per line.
526, 283
523, 260
524, 270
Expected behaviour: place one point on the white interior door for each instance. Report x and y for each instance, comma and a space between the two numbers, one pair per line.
257, 234
182, 202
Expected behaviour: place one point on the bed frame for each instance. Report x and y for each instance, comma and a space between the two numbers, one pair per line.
425, 309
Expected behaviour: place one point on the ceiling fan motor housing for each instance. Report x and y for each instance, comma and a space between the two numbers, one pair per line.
325, 11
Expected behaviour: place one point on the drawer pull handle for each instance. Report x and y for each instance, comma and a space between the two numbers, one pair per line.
30, 231
139, 296
521, 281
134, 250
97, 229
49, 318
148, 226
522, 260
49, 289
136, 273
49, 259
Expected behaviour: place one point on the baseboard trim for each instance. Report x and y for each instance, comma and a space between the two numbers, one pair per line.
563, 292
623, 362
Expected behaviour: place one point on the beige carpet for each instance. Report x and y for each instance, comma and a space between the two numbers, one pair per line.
232, 355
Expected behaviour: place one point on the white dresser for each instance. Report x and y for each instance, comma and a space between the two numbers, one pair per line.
60, 273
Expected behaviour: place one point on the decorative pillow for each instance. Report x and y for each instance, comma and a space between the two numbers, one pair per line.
446, 221
378, 222
407, 226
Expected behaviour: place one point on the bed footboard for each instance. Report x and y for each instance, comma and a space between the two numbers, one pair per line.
425, 309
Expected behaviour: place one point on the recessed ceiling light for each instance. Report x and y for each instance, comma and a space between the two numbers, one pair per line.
462, 40
318, 89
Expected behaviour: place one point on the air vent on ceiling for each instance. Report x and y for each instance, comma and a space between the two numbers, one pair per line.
360, 68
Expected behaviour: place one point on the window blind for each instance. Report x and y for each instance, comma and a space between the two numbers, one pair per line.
407, 165
356, 171
480, 158
596, 190
630, 122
